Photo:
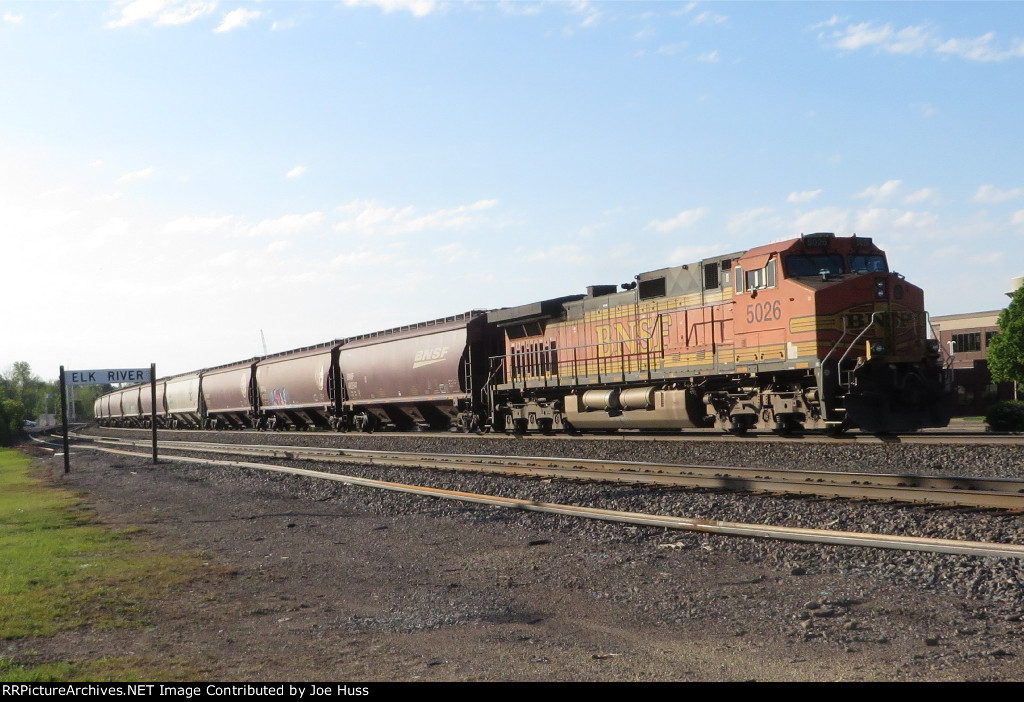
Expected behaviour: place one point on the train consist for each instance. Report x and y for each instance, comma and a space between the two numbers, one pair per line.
815, 331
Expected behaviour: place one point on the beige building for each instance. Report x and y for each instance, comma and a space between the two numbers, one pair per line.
965, 338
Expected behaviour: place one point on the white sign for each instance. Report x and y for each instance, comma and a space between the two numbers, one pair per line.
94, 377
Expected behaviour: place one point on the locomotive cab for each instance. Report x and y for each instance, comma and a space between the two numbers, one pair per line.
861, 327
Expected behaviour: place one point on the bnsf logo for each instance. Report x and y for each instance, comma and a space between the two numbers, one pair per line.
424, 357
898, 320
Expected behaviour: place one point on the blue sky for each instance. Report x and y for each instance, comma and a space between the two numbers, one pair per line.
184, 179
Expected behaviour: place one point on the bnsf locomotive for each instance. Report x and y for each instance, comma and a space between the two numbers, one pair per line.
814, 331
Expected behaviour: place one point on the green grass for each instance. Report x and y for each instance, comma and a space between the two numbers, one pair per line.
60, 570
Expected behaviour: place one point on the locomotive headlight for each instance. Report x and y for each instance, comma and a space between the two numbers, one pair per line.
877, 348
880, 288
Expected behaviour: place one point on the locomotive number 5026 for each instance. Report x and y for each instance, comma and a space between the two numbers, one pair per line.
766, 311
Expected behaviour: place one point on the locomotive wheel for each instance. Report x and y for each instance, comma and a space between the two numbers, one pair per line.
784, 426
835, 430
740, 425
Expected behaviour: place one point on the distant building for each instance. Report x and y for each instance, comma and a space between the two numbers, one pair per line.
966, 338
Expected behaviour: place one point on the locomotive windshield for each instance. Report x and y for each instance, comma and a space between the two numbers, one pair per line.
868, 263
813, 264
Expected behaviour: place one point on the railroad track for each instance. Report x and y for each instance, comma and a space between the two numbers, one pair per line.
531, 466
988, 493
975, 435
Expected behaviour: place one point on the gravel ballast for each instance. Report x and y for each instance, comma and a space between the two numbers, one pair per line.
450, 591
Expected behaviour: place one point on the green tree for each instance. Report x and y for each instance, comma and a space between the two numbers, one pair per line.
12, 414
1006, 349
35, 395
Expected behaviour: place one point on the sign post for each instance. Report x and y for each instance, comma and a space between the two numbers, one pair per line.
97, 377
64, 417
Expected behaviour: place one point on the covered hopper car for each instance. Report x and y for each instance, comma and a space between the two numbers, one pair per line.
814, 331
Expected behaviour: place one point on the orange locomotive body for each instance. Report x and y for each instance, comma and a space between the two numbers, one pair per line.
811, 331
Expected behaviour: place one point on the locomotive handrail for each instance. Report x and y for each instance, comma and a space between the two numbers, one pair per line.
864, 331
604, 364
839, 363
947, 363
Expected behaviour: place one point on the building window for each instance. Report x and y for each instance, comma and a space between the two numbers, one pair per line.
967, 342
988, 338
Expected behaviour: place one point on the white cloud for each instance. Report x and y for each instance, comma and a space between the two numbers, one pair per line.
102, 235
372, 219
830, 22
13, 19
948, 252
857, 36
280, 25
520, 7
990, 194
287, 225
451, 253
135, 175
672, 49
880, 193
589, 10
1017, 218
709, 57
754, 220
826, 219
686, 218
923, 195
803, 196
361, 259
418, 8
981, 49
918, 40
197, 225
709, 17
881, 219
989, 258
161, 12
562, 253
296, 172
237, 19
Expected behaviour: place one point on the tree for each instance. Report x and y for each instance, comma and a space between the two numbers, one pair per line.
12, 414
1006, 349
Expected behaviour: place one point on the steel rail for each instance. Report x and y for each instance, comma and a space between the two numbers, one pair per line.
987, 493
808, 436
710, 526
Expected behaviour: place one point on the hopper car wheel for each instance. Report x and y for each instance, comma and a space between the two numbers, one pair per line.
519, 426
545, 426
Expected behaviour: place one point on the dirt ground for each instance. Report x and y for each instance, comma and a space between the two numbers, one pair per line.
307, 583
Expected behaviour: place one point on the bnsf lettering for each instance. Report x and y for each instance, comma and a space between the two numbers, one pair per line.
632, 336
859, 320
429, 355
